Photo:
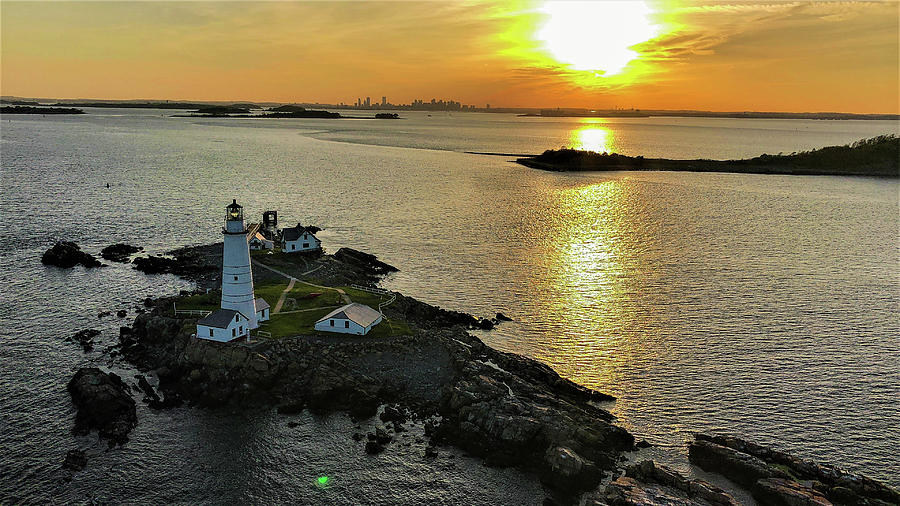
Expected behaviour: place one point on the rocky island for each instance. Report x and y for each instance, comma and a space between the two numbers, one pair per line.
878, 156
426, 369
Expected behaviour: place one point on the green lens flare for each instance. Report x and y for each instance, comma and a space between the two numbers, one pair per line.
322, 481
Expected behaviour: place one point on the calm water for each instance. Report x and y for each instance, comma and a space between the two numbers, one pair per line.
765, 306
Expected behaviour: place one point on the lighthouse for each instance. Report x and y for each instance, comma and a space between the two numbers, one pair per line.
237, 276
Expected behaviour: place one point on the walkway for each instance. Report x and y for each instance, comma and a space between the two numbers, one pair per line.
277, 308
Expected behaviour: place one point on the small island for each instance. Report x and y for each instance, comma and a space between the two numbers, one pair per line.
878, 156
418, 367
24, 109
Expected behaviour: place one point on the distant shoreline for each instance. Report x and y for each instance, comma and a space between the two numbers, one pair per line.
19, 109
879, 156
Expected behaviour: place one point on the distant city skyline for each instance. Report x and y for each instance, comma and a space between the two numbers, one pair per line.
681, 54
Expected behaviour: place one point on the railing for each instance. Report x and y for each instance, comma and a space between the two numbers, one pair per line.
191, 312
378, 291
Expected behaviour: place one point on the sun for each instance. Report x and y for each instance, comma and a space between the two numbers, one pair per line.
596, 35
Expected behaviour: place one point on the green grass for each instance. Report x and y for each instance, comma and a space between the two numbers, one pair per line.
370, 299
207, 302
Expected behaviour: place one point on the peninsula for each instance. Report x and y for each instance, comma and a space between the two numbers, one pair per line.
878, 156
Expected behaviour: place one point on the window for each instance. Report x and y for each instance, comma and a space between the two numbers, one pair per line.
306, 245
305, 237
332, 323
241, 329
293, 246
210, 332
233, 332
347, 324
235, 278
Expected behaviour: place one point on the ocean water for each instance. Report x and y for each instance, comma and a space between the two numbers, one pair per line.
763, 306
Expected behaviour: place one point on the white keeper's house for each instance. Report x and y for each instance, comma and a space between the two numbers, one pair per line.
299, 239
353, 318
240, 310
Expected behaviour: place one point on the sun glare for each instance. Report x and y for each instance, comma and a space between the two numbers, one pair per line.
596, 36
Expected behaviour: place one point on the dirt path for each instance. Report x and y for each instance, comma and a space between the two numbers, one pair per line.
344, 296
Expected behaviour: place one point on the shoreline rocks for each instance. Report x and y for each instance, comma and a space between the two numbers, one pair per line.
779, 478
103, 403
649, 483
119, 252
67, 254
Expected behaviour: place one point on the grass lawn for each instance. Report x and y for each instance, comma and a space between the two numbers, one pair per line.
370, 299
292, 324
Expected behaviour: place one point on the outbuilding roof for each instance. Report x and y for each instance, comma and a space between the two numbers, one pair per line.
220, 319
261, 304
294, 233
355, 312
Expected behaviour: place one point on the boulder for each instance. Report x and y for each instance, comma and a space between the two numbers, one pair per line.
75, 460
67, 254
103, 404
741, 468
85, 338
502, 318
121, 313
782, 492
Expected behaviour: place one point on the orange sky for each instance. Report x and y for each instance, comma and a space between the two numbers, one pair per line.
655, 54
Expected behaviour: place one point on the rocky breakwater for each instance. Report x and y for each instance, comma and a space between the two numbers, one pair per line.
104, 404
778, 478
510, 410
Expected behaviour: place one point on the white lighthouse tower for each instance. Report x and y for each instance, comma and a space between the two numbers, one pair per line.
237, 276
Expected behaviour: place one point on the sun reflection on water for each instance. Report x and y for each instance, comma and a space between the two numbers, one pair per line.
592, 135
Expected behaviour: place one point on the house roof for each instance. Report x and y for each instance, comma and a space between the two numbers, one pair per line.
220, 319
294, 233
355, 312
261, 304
259, 237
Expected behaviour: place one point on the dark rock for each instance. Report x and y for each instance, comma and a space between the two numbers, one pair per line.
103, 403
741, 468
374, 447
150, 395
431, 451
782, 492
121, 313
381, 436
566, 468
67, 254
502, 318
290, 409
293, 424
392, 414
357, 436
102, 314
485, 324
148, 302
119, 252
365, 261
75, 460
642, 444
85, 338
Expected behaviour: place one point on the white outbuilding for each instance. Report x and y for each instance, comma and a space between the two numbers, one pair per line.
259, 242
223, 325
262, 310
299, 239
353, 318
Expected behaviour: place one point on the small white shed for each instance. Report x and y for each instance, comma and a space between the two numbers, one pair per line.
223, 325
353, 318
262, 310
299, 239
259, 242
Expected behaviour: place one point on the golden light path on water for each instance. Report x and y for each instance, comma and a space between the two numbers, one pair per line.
593, 135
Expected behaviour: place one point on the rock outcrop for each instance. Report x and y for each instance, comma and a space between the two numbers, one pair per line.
508, 409
778, 478
648, 484
119, 252
85, 338
103, 404
364, 261
67, 254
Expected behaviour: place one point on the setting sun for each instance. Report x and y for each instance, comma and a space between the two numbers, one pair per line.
596, 36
